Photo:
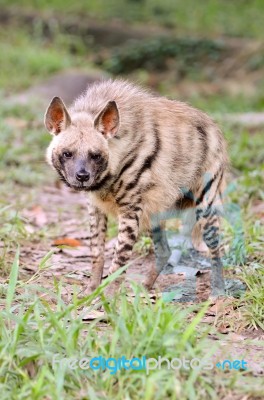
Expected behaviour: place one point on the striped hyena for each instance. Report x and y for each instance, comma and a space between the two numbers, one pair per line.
138, 154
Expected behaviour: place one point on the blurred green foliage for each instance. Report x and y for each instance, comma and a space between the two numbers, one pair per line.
32, 331
208, 17
156, 54
27, 58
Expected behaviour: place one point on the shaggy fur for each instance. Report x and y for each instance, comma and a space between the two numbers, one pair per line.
137, 155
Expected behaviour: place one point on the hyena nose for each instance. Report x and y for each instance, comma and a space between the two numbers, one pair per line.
82, 176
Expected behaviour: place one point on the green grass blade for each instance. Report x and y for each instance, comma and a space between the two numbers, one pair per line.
12, 281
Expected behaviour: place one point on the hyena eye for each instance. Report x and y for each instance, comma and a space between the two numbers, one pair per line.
96, 157
67, 154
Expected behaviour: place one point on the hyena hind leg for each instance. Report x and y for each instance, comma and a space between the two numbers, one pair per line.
162, 254
209, 209
96, 242
211, 237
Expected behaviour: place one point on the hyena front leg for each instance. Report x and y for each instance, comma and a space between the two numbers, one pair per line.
98, 225
128, 228
209, 209
162, 254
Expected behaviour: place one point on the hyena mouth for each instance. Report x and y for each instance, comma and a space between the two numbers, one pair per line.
79, 188
83, 186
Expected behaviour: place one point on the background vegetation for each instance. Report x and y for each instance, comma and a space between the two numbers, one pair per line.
209, 53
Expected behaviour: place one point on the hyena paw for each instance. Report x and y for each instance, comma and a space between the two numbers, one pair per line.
85, 292
217, 293
93, 286
147, 286
150, 280
148, 283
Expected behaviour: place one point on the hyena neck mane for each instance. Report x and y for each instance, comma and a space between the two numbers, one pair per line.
126, 95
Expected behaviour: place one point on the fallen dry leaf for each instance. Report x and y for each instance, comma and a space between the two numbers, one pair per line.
66, 242
223, 328
29, 228
145, 297
234, 337
208, 320
258, 209
31, 368
94, 314
221, 305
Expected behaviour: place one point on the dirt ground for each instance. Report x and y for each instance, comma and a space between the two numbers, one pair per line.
64, 210
63, 213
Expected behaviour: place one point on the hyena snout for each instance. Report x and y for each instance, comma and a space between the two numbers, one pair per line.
82, 175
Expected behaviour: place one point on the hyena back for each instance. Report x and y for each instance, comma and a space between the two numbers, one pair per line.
137, 155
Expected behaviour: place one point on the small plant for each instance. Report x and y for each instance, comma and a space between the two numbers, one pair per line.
144, 245
253, 301
34, 330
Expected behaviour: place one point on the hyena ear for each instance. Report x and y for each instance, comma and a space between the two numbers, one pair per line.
107, 121
57, 117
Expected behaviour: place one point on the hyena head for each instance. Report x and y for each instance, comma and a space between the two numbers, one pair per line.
79, 150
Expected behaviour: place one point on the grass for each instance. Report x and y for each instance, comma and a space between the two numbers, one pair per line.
32, 333
254, 298
205, 18
36, 323
225, 103
30, 57
22, 156
189, 54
